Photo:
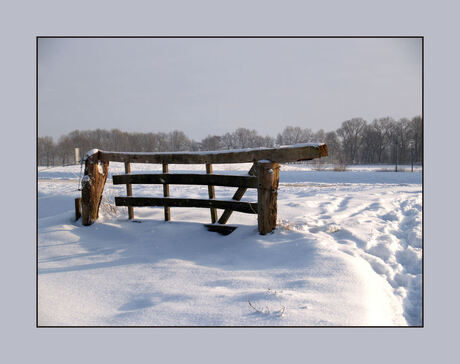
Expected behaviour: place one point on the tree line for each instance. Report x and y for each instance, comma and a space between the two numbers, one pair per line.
383, 140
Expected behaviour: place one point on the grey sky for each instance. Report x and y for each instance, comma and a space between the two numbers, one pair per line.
212, 86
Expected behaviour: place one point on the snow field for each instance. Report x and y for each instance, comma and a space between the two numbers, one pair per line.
344, 254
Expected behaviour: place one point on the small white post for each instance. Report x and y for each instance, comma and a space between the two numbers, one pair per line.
77, 156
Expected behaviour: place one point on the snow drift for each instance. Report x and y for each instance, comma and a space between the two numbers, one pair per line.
348, 251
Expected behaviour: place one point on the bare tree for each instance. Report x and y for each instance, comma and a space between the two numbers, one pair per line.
268, 142
355, 141
415, 133
178, 141
65, 150
404, 139
350, 132
293, 135
228, 141
46, 151
319, 136
212, 142
380, 131
370, 144
333, 146
243, 137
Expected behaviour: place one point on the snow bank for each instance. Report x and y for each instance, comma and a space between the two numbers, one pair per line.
344, 254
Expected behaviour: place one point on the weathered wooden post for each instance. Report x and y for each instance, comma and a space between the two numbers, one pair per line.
166, 194
268, 175
77, 208
211, 194
92, 187
129, 191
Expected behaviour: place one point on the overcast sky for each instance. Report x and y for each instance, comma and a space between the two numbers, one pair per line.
213, 86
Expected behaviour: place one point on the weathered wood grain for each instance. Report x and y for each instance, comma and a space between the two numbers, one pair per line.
129, 191
77, 208
93, 183
284, 154
268, 177
246, 207
166, 194
187, 179
211, 194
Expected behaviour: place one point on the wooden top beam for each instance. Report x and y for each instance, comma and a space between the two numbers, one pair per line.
291, 153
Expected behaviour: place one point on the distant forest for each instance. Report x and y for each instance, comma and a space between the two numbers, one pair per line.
383, 141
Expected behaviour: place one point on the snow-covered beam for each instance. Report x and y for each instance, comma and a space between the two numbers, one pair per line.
283, 154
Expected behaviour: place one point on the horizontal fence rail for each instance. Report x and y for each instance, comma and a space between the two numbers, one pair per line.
187, 179
246, 207
292, 153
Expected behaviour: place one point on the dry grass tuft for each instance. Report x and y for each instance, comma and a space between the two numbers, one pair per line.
340, 167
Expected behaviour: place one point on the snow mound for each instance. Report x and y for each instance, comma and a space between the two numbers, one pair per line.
343, 254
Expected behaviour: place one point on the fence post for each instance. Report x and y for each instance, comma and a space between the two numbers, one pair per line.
92, 187
211, 194
166, 194
77, 156
129, 191
77, 208
267, 191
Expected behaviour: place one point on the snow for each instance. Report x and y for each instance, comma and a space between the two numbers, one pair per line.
85, 179
347, 251
90, 153
100, 169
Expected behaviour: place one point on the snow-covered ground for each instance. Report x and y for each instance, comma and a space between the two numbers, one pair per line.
348, 251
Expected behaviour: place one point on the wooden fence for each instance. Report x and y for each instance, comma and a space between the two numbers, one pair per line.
263, 175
